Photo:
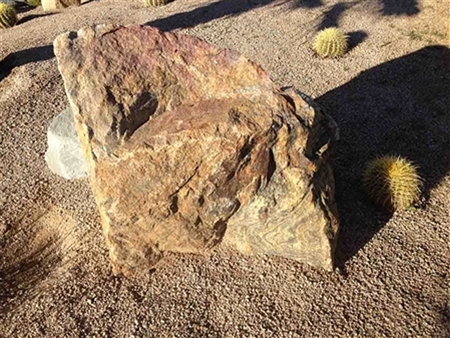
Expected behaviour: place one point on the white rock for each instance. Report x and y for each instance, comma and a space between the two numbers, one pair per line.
64, 156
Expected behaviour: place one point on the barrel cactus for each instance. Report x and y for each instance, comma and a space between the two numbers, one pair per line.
331, 42
391, 182
155, 3
8, 15
33, 3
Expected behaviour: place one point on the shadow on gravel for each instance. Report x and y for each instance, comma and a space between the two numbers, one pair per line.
22, 7
400, 7
307, 3
208, 13
331, 17
225, 8
401, 107
33, 16
23, 57
355, 38
445, 315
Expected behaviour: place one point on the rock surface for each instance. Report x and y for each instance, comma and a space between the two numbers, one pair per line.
189, 145
64, 155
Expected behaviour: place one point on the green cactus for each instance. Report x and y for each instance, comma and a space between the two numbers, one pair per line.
391, 182
33, 3
331, 42
156, 3
8, 16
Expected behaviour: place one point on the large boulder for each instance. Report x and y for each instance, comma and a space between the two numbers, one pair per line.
189, 145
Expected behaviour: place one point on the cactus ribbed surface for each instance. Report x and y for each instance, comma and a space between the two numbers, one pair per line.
391, 182
331, 42
34, 3
155, 3
8, 16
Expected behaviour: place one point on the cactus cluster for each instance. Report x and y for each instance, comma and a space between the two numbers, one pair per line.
156, 3
391, 182
8, 15
331, 42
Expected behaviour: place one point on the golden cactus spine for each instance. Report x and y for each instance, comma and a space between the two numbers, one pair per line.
331, 42
392, 182
8, 16
155, 3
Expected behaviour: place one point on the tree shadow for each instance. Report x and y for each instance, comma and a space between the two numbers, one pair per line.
399, 7
331, 17
32, 17
307, 3
401, 108
207, 13
225, 8
23, 57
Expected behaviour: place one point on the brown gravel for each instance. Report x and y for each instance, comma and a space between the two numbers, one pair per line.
389, 94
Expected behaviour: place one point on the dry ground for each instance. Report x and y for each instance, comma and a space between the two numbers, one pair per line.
389, 94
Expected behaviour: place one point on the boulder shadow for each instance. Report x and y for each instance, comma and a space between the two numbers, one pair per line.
401, 107
23, 57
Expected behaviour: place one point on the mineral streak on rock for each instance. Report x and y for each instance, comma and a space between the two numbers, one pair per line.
189, 145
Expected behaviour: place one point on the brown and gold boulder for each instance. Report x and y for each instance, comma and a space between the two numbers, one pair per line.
189, 145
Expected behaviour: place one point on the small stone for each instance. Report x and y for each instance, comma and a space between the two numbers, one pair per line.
64, 155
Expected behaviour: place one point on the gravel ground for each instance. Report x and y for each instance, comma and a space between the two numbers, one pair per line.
389, 95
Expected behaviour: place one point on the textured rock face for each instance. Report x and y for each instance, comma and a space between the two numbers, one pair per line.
189, 145
64, 155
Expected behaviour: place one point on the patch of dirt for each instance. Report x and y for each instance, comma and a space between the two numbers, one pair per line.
389, 95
